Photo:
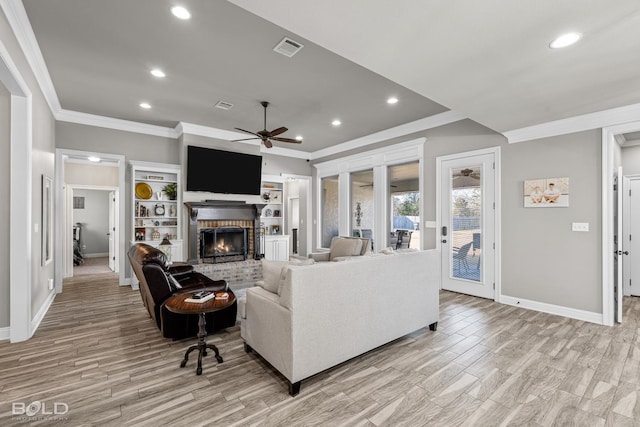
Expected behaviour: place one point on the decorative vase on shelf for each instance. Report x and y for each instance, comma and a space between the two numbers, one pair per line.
155, 234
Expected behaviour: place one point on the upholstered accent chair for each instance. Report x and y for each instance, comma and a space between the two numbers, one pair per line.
343, 247
159, 280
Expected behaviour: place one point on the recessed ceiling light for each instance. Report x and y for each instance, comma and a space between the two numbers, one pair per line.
565, 40
336, 122
157, 72
299, 138
145, 105
392, 100
180, 12
94, 159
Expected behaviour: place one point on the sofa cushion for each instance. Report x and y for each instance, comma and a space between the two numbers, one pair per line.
272, 275
285, 269
343, 246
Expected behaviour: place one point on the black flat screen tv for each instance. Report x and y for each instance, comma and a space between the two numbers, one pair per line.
218, 171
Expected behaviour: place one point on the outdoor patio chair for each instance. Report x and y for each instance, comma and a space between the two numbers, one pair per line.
460, 255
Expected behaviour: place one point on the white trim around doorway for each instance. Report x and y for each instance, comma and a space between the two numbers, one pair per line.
61, 156
498, 297
20, 207
608, 170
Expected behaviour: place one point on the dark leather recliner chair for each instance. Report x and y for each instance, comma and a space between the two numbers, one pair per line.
158, 281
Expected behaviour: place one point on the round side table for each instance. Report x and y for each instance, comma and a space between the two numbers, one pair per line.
177, 304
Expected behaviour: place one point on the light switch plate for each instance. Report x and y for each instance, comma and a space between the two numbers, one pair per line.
580, 226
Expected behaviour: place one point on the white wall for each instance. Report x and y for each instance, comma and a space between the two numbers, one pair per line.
5, 174
631, 160
88, 174
543, 260
43, 147
94, 219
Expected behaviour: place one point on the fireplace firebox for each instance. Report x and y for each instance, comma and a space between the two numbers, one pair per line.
223, 244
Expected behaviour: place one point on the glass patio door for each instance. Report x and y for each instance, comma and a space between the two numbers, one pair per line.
468, 224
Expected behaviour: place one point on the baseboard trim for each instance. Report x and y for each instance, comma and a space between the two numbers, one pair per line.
133, 282
97, 255
573, 313
5, 333
41, 312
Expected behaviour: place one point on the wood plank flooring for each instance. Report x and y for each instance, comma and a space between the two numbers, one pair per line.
488, 364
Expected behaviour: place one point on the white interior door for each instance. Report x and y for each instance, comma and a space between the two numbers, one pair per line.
113, 213
630, 244
68, 232
467, 234
618, 191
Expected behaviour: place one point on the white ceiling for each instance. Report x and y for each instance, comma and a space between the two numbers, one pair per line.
487, 60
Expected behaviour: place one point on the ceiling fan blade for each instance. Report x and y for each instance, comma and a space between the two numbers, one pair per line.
245, 139
292, 141
278, 131
247, 131
267, 143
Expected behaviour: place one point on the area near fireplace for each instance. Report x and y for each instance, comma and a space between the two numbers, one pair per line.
223, 231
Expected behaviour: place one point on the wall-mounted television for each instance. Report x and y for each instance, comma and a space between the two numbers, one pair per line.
218, 171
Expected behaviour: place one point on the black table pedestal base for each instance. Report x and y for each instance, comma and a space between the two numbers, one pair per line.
201, 346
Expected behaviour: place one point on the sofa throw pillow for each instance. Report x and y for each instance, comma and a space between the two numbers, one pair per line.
388, 251
345, 247
285, 269
271, 274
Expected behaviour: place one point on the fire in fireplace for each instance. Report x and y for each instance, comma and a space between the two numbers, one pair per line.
223, 244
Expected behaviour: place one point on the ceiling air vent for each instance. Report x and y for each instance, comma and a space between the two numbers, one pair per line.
224, 105
288, 47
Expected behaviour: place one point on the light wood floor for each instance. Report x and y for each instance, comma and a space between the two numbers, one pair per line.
488, 364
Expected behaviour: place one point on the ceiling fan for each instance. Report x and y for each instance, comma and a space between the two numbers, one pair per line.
267, 136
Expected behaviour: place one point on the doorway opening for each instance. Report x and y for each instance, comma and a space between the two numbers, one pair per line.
89, 215
297, 216
620, 167
93, 222
468, 220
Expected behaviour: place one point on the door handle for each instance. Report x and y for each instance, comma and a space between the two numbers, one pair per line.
444, 240
623, 253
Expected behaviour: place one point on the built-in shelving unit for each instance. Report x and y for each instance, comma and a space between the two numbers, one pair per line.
275, 243
156, 214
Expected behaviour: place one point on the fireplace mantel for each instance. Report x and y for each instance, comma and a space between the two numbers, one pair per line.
221, 210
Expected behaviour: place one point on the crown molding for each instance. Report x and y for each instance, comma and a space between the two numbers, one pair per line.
599, 119
286, 152
408, 128
210, 132
117, 124
19, 22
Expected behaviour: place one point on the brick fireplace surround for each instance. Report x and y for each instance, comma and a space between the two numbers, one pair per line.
210, 214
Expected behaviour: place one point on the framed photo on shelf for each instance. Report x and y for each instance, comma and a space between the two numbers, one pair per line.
276, 213
275, 229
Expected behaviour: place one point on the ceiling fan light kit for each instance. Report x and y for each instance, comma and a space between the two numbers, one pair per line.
264, 135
